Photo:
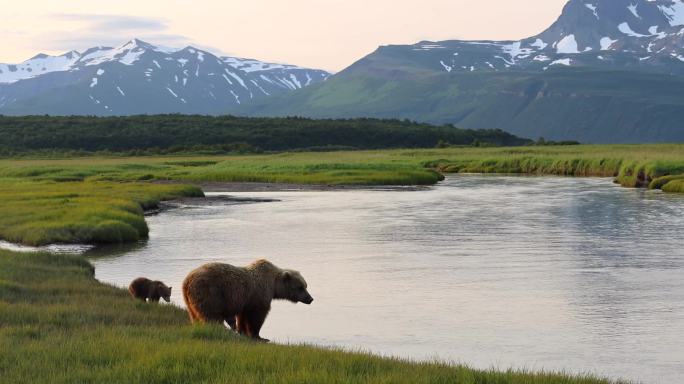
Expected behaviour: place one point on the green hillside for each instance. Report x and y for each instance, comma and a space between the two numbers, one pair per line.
560, 104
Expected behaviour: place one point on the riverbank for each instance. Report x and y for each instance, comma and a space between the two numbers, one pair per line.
631, 165
288, 187
102, 200
59, 325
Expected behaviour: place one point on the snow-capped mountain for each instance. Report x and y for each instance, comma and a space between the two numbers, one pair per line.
607, 71
141, 78
646, 34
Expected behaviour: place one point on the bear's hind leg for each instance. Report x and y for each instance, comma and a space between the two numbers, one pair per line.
194, 317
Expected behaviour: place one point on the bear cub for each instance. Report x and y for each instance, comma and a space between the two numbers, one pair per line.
149, 291
241, 296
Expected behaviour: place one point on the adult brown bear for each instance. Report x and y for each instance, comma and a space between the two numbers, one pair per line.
241, 296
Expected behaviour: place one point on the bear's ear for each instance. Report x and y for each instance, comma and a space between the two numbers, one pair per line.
287, 275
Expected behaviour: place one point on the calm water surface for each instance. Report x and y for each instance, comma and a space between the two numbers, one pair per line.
538, 273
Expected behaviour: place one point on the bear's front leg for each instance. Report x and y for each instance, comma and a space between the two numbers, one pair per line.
255, 320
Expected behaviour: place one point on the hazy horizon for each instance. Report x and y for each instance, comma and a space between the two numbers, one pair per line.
329, 35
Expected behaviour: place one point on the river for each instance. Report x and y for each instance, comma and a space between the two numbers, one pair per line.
573, 274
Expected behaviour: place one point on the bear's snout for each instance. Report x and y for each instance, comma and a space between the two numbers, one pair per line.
307, 300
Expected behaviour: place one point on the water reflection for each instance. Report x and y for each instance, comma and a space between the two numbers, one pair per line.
112, 251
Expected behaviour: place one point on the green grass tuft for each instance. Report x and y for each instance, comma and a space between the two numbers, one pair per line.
675, 186
38, 213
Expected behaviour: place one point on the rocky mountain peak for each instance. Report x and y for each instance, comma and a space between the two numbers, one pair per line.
607, 34
587, 25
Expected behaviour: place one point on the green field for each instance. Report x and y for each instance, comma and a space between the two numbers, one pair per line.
101, 200
59, 325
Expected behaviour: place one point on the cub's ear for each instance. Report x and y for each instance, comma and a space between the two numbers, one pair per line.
287, 275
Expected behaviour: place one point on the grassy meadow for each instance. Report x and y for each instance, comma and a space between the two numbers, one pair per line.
59, 325
101, 199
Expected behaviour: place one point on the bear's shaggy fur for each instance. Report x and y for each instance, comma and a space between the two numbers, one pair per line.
241, 296
148, 290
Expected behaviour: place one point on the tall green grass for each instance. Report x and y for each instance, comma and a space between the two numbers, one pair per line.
59, 325
631, 165
43, 212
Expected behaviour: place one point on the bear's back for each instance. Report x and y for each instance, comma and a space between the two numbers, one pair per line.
217, 276
140, 287
215, 289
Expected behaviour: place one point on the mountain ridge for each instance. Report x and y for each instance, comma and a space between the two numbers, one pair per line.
139, 77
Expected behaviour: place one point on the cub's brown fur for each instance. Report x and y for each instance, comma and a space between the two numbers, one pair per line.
148, 290
241, 296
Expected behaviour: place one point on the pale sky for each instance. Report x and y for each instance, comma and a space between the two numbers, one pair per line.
326, 34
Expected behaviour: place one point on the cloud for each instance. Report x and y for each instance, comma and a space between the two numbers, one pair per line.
114, 22
88, 30
13, 32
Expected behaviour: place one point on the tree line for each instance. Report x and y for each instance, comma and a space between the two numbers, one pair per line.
227, 134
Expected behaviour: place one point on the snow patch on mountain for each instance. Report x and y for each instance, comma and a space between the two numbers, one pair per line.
515, 50
674, 12
251, 65
448, 68
126, 54
627, 30
567, 45
36, 66
592, 8
565, 62
539, 43
606, 43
